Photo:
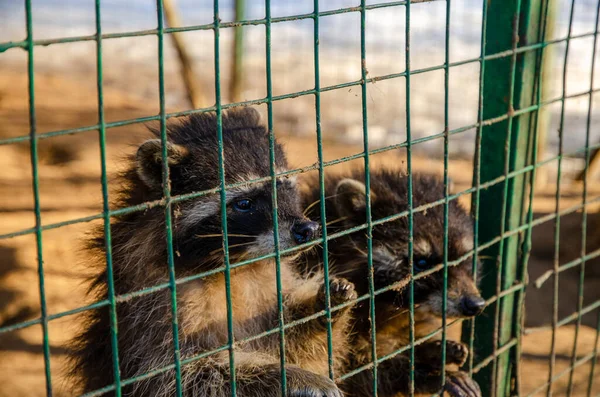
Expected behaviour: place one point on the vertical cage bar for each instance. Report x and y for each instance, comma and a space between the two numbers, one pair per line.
538, 121
584, 214
322, 203
223, 198
106, 205
590, 386
552, 360
506, 85
587, 164
411, 286
369, 231
33, 145
166, 184
468, 329
274, 194
446, 192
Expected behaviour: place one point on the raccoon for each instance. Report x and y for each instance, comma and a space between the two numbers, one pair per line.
346, 208
139, 252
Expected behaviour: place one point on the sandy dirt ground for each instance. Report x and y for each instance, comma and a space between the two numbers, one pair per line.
69, 189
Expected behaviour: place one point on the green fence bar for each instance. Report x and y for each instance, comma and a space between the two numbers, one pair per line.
322, 198
539, 121
369, 220
584, 217
555, 318
511, 118
166, 183
587, 162
468, 330
106, 204
272, 171
33, 146
446, 188
223, 197
409, 191
507, 87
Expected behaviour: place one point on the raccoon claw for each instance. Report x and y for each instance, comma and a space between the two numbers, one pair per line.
456, 353
340, 291
459, 384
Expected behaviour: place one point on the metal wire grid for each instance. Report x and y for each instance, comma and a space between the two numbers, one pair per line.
584, 198
501, 343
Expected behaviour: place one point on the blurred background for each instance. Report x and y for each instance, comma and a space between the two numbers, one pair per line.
66, 98
131, 63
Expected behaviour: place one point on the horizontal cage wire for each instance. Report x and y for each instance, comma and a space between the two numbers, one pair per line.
498, 98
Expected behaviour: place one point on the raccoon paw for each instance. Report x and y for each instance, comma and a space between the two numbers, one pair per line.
428, 355
385, 276
340, 291
314, 392
460, 384
313, 386
456, 353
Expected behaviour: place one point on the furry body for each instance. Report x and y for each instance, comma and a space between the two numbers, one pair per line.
346, 208
139, 251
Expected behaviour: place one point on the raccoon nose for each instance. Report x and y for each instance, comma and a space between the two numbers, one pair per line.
305, 231
472, 305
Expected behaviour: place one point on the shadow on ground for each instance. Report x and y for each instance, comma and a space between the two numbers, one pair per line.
540, 297
10, 298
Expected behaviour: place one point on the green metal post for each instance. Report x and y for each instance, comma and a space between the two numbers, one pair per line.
508, 86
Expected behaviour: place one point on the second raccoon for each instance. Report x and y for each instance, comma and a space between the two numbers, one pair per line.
346, 208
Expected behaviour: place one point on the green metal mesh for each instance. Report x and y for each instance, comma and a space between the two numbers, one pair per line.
513, 41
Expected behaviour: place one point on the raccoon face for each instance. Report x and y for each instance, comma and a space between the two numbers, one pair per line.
193, 165
463, 297
390, 242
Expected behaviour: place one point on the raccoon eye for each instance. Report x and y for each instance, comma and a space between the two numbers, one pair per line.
420, 264
243, 205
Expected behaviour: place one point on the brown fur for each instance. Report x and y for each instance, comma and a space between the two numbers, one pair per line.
145, 331
346, 208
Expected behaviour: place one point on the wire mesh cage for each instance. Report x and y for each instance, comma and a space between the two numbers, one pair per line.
486, 87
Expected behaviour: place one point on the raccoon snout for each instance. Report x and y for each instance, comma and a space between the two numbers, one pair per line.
305, 231
472, 305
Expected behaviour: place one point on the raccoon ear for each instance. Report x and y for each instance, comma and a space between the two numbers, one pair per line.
350, 196
242, 117
149, 160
